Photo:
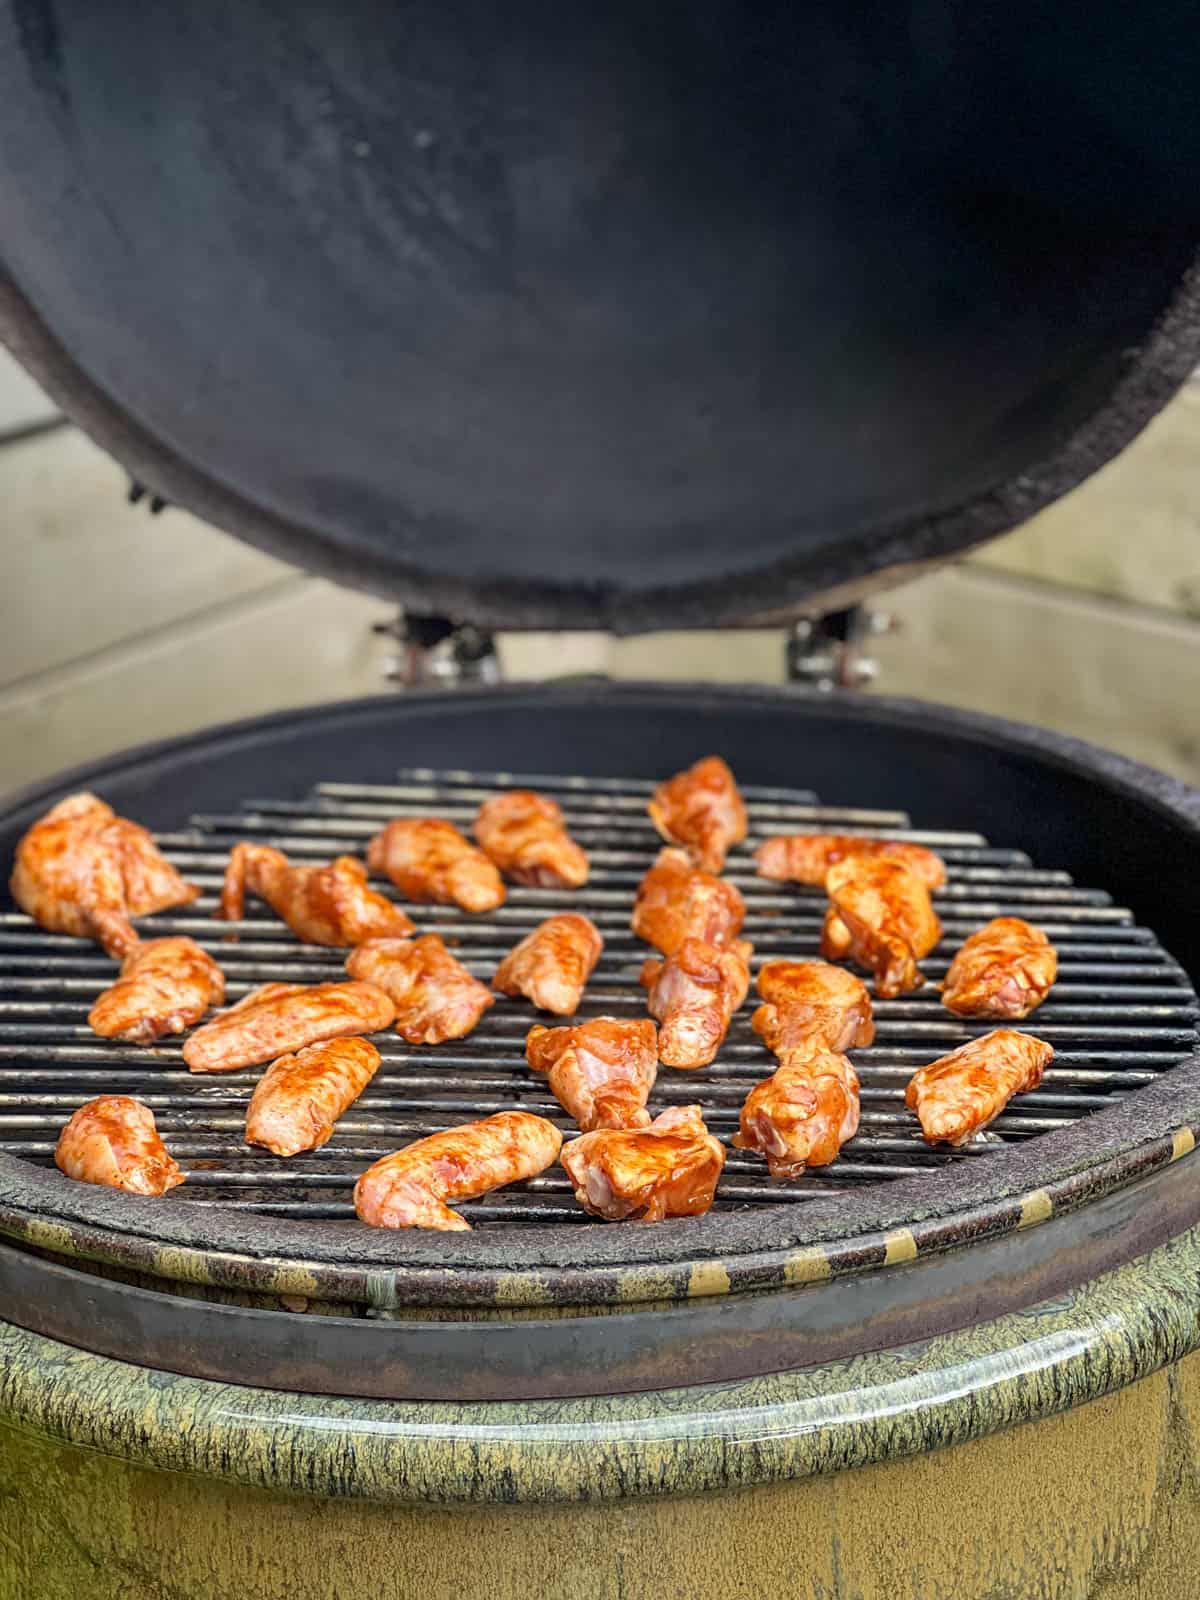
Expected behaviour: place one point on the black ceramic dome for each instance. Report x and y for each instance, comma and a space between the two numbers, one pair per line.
621, 314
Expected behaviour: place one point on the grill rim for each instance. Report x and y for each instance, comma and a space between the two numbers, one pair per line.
869, 1228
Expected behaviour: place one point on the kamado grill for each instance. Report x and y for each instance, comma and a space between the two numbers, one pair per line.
620, 321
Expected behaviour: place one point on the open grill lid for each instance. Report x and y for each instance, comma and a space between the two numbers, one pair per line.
627, 318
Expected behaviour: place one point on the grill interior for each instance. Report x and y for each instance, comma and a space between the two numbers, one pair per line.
1122, 1012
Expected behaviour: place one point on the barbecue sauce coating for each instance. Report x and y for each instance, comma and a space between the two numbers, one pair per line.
114, 1141
84, 871
301, 1096
675, 902
525, 835
410, 1189
807, 857
669, 1169
551, 965
601, 1072
1005, 970
166, 986
802, 1114
883, 917
429, 859
281, 1017
958, 1094
693, 995
436, 998
330, 905
701, 810
810, 1005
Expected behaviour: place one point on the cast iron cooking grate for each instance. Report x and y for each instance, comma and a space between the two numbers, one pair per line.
1122, 1013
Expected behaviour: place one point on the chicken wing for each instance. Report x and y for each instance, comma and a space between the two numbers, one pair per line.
1005, 970
807, 857
694, 994
601, 1072
552, 964
524, 834
329, 905
410, 1189
301, 1096
669, 1169
810, 1006
675, 902
701, 810
436, 998
960, 1093
85, 871
166, 986
802, 1115
428, 859
281, 1017
888, 921
113, 1141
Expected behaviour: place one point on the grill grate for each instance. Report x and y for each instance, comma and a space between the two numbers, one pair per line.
1122, 1012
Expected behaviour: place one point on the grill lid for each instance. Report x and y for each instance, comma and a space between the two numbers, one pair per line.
645, 318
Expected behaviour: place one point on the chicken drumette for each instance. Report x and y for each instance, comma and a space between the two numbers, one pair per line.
552, 965
694, 994
802, 1114
960, 1093
882, 916
525, 835
807, 857
1005, 970
436, 998
669, 1169
301, 1096
114, 1141
675, 902
329, 905
428, 859
701, 810
601, 1072
166, 986
281, 1017
810, 1006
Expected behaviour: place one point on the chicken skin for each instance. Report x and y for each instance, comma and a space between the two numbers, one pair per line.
960, 1093
551, 965
166, 986
114, 1141
600, 1072
675, 902
807, 857
803, 1114
1005, 970
428, 859
410, 1189
436, 998
669, 1169
329, 905
701, 810
301, 1096
693, 995
887, 921
84, 871
281, 1017
811, 1007
525, 836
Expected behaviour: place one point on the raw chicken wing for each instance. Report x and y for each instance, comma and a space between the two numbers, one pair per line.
524, 834
669, 1169
675, 902
281, 1017
410, 1189
428, 859
807, 857
436, 998
702, 810
601, 1072
960, 1093
324, 905
302, 1095
802, 1115
888, 921
552, 964
166, 986
1005, 970
85, 871
811, 1007
113, 1141
694, 994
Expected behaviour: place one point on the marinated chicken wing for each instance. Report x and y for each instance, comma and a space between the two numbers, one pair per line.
601, 1072
85, 871
807, 857
410, 1189
811, 1007
1005, 970
701, 810
525, 835
301, 1096
113, 1141
675, 902
960, 1093
436, 998
694, 994
552, 964
428, 859
166, 986
281, 1017
329, 905
669, 1169
888, 921
802, 1115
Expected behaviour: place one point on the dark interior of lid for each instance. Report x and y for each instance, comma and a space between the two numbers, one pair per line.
618, 312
